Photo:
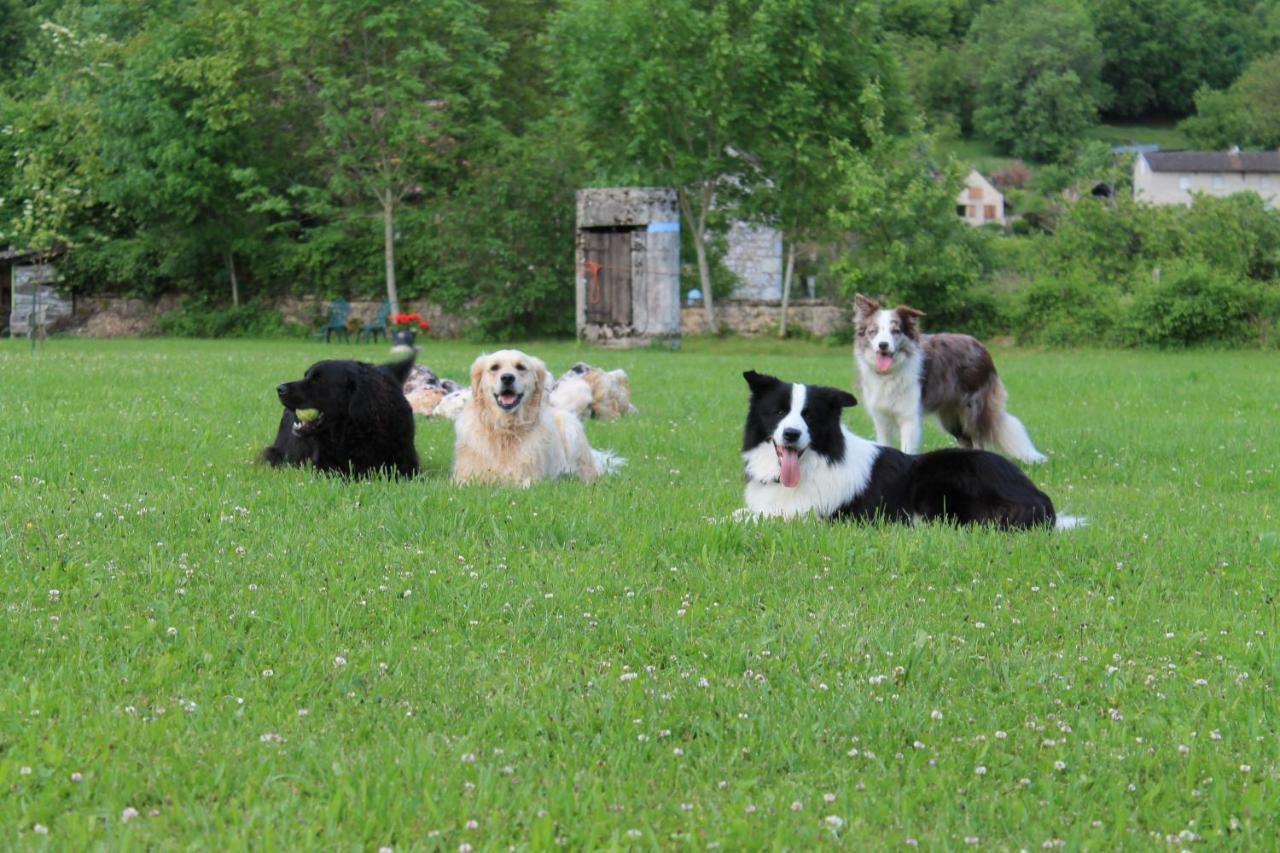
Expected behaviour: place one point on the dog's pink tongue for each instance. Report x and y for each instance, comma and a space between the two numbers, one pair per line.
883, 362
790, 460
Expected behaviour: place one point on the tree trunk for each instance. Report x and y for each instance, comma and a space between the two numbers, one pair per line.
389, 250
235, 285
786, 286
698, 228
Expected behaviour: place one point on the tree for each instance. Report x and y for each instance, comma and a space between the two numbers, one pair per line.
908, 243
395, 93
1248, 113
802, 100
1040, 77
660, 90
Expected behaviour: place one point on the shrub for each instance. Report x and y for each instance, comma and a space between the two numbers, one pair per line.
1066, 310
197, 320
1191, 303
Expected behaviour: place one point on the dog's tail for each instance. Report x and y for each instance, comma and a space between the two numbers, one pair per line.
1070, 522
1003, 430
607, 461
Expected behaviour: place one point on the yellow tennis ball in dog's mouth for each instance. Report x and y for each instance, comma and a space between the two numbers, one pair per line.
306, 415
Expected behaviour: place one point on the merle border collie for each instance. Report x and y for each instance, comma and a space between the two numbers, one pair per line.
905, 375
799, 459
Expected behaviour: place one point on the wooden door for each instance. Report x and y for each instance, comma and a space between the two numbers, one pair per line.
607, 272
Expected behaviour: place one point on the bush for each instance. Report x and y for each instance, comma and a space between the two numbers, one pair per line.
1191, 303
196, 320
1070, 310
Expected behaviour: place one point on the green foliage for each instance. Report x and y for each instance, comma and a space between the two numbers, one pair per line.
1040, 81
506, 264
1120, 273
1247, 114
909, 245
1191, 302
1158, 52
195, 319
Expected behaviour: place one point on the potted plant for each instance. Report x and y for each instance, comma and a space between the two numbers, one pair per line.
405, 331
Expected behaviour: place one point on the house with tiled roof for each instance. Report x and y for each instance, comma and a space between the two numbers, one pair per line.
1172, 177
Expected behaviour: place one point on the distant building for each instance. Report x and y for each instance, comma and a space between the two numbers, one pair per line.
754, 255
980, 202
1171, 177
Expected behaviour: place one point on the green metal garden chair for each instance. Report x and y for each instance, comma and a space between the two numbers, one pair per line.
337, 322
376, 326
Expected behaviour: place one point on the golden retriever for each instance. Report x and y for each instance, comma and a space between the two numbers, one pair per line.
507, 432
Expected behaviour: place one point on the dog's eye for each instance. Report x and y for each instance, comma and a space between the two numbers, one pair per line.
520, 367
493, 368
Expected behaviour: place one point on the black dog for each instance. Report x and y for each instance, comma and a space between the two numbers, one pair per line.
799, 458
364, 422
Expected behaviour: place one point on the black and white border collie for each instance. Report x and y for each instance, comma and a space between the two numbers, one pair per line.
799, 459
905, 375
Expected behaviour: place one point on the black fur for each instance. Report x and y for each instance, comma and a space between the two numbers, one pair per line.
957, 485
366, 424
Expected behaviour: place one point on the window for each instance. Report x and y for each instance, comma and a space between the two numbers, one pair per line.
959, 210
988, 211
971, 211
975, 193
1219, 182
1184, 183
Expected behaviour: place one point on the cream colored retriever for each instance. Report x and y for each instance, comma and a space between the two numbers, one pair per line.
507, 432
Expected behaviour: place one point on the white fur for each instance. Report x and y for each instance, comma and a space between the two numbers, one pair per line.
573, 394
824, 486
532, 441
1011, 438
452, 404
893, 398
1070, 522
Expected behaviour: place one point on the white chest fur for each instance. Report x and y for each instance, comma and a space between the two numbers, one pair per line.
824, 486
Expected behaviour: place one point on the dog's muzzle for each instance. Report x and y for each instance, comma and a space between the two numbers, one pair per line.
507, 399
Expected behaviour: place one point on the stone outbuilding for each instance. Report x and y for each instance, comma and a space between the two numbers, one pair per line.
628, 266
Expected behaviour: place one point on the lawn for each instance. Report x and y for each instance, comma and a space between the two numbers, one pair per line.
199, 651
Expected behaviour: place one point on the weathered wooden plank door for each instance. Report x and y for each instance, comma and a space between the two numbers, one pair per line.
607, 269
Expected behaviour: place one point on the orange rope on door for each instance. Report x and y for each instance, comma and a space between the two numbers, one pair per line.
593, 286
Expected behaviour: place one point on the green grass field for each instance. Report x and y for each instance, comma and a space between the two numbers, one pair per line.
199, 651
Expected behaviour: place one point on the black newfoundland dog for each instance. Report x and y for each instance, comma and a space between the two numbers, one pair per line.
347, 417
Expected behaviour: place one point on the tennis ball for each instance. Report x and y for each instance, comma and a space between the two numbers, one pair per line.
306, 415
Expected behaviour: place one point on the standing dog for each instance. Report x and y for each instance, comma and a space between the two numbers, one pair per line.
799, 458
905, 375
362, 422
507, 431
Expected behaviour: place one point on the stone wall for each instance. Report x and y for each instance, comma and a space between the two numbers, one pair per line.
119, 316
754, 255
761, 317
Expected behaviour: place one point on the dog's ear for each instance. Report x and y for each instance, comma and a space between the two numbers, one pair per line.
369, 398
844, 399
865, 305
398, 370
542, 380
760, 382
909, 318
477, 370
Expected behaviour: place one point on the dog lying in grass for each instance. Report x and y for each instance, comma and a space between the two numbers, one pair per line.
799, 459
346, 417
508, 432
593, 392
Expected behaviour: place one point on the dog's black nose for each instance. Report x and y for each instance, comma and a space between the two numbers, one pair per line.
282, 389
791, 436
884, 346
507, 378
